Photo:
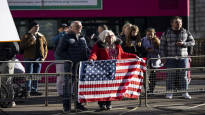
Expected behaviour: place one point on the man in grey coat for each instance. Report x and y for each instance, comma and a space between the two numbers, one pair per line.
174, 43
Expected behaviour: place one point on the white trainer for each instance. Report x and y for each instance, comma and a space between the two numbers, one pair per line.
186, 95
169, 95
13, 104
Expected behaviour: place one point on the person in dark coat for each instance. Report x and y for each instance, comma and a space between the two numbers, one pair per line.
72, 47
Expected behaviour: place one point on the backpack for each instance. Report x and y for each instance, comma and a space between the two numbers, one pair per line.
190, 48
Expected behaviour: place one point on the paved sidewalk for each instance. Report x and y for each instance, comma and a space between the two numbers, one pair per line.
157, 104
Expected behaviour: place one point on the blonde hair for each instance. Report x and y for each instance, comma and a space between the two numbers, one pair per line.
137, 38
106, 33
124, 27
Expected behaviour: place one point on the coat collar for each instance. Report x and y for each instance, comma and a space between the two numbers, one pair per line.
182, 30
73, 35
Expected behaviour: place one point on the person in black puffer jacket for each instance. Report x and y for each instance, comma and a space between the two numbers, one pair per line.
72, 47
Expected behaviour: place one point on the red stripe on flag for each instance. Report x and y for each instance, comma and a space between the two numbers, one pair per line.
129, 77
109, 85
128, 70
109, 98
130, 95
102, 92
101, 99
134, 89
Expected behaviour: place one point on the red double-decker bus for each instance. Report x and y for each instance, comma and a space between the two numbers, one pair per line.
114, 13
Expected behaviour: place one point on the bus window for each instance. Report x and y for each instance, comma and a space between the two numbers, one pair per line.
48, 28
21, 26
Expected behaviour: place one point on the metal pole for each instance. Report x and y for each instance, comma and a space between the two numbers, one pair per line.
194, 15
46, 83
0, 82
140, 99
42, 3
146, 81
70, 84
76, 85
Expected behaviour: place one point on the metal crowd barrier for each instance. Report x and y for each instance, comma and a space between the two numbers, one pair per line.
46, 79
196, 86
165, 80
19, 80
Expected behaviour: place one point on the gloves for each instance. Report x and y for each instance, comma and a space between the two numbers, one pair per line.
91, 62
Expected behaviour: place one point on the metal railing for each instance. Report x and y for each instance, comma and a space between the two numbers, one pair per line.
46, 79
196, 85
23, 77
172, 77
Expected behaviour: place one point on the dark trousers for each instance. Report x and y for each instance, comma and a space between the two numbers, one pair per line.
68, 89
102, 103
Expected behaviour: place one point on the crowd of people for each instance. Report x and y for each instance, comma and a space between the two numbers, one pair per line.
69, 44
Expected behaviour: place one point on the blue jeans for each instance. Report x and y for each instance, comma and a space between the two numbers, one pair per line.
32, 67
177, 79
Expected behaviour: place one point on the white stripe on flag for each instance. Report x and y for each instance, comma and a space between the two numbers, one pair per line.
131, 60
129, 67
109, 81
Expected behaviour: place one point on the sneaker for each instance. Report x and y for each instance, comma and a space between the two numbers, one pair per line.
109, 107
66, 111
150, 91
186, 96
28, 94
102, 107
169, 95
13, 104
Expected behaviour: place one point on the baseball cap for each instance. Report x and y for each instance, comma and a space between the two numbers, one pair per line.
63, 25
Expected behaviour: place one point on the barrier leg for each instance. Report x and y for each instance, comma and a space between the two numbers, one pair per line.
46, 91
146, 84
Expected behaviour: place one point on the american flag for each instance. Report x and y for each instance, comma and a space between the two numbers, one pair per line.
108, 80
